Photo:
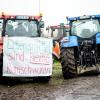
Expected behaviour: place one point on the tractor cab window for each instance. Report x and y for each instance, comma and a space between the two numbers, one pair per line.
1, 27
85, 28
21, 28
57, 33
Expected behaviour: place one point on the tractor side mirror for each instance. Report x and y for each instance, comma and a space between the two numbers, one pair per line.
41, 24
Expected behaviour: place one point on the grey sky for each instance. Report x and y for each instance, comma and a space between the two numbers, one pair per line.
54, 11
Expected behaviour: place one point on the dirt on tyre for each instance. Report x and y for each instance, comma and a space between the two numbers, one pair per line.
69, 69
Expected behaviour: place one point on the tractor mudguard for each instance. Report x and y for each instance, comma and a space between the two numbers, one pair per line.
98, 38
70, 41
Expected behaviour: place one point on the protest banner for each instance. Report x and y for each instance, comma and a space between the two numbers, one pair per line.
27, 57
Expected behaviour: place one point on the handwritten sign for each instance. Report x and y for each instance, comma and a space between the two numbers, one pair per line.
27, 57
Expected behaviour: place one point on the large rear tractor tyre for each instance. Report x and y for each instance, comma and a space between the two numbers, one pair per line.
69, 69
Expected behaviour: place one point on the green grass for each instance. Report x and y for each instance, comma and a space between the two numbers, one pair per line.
57, 77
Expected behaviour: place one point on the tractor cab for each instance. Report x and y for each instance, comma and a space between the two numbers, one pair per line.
57, 33
85, 27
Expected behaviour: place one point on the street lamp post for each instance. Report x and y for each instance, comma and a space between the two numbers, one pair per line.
39, 7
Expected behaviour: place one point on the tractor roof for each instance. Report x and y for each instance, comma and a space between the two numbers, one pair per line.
58, 26
3, 16
83, 17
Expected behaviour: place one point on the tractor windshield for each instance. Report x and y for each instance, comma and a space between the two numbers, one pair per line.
57, 33
21, 28
85, 28
1, 27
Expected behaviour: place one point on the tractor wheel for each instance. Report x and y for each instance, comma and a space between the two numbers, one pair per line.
69, 69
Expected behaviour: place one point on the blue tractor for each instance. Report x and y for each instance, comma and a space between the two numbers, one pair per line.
80, 49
